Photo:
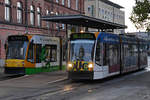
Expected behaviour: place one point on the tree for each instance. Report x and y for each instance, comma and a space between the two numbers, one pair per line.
140, 15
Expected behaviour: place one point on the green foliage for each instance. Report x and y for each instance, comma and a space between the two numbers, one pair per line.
140, 15
43, 54
43, 57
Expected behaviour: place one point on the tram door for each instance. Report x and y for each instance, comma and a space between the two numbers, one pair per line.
38, 55
99, 53
113, 57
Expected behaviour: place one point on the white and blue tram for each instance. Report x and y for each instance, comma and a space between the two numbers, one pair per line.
100, 55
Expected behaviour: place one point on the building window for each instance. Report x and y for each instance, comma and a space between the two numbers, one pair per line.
77, 4
39, 16
63, 2
63, 26
19, 12
47, 12
99, 11
89, 9
57, 25
7, 10
69, 3
32, 15
102, 11
47, 23
92, 10
57, 1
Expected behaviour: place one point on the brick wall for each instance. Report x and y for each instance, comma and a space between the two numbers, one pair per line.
12, 27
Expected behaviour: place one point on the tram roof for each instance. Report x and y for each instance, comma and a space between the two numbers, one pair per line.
84, 21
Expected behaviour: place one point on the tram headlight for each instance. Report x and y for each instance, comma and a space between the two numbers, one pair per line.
70, 65
90, 65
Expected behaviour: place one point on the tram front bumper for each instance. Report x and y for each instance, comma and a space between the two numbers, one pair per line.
87, 75
14, 70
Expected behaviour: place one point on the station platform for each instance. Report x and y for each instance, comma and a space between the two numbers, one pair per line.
35, 80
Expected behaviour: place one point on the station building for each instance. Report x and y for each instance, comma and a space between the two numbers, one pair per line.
107, 11
24, 17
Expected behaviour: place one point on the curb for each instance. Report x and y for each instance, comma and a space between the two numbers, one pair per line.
59, 80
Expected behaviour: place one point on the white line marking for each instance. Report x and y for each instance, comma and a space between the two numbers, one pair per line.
57, 80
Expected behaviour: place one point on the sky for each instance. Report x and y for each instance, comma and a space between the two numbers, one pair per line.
128, 6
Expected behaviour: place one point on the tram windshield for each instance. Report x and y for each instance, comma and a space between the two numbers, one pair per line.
82, 50
16, 49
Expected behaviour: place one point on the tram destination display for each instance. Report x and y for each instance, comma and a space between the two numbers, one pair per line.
82, 36
17, 38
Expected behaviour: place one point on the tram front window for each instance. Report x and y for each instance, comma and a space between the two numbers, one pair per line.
82, 50
16, 49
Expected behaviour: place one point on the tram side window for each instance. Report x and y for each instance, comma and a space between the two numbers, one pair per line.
133, 55
47, 53
54, 53
97, 56
38, 53
126, 51
51, 53
30, 57
143, 54
131, 50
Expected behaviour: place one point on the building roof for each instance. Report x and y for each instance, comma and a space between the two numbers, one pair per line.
112, 4
84, 21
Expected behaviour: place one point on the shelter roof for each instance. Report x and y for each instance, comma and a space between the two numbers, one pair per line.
84, 21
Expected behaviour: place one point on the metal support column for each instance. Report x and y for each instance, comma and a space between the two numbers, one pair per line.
60, 62
66, 43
